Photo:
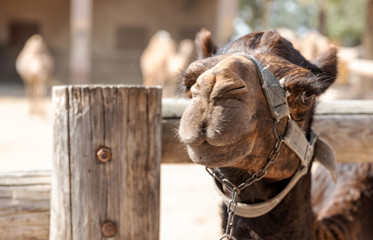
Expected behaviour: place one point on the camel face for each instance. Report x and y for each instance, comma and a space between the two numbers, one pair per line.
229, 122
221, 121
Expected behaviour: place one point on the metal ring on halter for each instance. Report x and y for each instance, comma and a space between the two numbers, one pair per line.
225, 236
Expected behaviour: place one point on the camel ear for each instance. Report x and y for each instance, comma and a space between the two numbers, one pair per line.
326, 62
269, 38
205, 46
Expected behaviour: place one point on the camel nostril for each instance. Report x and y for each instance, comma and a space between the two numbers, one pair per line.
227, 90
204, 127
236, 90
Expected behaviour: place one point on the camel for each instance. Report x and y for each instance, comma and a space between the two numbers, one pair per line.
312, 44
163, 59
35, 66
249, 122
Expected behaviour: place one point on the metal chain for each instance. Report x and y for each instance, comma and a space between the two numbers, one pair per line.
231, 211
236, 190
256, 176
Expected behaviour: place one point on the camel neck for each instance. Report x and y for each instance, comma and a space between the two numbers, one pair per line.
291, 219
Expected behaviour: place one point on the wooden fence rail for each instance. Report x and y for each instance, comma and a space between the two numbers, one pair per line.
24, 198
346, 125
363, 67
24, 205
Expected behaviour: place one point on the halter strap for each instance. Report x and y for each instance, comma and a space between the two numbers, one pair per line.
259, 209
273, 91
275, 94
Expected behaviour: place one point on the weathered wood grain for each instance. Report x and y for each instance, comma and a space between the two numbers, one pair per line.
123, 191
24, 205
60, 190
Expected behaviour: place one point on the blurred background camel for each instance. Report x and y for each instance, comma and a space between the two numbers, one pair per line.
35, 65
313, 43
163, 60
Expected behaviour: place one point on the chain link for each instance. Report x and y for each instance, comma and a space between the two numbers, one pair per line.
231, 211
236, 190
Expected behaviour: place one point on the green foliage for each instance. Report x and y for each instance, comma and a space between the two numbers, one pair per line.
251, 11
293, 15
345, 19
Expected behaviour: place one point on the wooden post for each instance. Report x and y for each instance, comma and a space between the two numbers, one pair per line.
226, 12
368, 33
80, 41
106, 170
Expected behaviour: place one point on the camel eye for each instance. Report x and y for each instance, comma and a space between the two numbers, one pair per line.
187, 80
307, 98
186, 90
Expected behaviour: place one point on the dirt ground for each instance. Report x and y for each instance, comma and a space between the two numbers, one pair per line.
189, 203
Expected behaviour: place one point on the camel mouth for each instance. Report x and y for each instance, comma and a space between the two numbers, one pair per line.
220, 156
216, 124
216, 135
218, 142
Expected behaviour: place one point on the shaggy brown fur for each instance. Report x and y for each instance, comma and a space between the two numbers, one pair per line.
228, 126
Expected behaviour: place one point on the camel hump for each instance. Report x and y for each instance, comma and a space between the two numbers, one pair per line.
155, 57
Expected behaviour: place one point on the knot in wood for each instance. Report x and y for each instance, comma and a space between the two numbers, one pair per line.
108, 229
103, 154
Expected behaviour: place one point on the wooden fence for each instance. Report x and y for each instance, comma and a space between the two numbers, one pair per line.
92, 193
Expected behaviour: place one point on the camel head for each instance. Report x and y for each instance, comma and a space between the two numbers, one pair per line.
228, 122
